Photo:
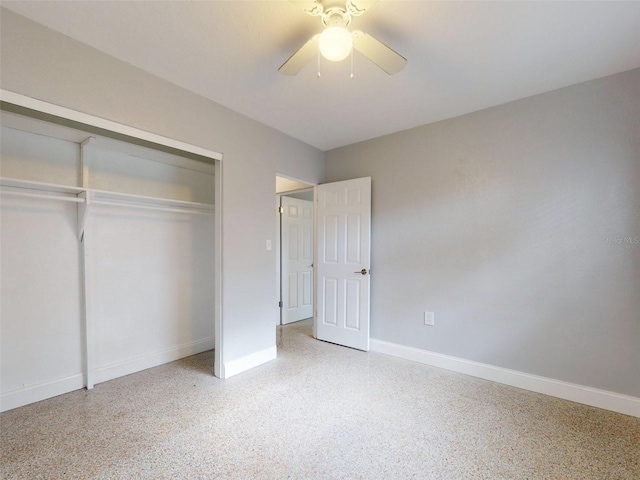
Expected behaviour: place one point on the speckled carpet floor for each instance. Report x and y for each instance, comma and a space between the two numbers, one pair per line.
318, 411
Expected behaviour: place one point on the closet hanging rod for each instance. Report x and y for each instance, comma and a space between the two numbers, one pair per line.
42, 195
151, 207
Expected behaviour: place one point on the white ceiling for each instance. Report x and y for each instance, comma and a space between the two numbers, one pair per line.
463, 56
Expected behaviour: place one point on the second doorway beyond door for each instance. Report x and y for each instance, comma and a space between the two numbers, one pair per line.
297, 259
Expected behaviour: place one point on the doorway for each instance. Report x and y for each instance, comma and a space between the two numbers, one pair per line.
340, 255
294, 249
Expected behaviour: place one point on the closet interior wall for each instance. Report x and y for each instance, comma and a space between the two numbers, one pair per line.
106, 265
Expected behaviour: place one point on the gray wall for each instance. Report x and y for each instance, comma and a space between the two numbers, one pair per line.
498, 222
46, 65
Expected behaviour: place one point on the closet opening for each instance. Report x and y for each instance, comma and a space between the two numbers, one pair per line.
111, 251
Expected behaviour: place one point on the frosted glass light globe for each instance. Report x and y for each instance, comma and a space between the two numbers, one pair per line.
335, 43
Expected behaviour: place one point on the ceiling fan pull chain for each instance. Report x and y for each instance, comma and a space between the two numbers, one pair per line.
351, 63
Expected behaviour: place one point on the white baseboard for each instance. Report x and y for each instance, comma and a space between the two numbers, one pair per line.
247, 362
594, 397
35, 393
137, 364
42, 391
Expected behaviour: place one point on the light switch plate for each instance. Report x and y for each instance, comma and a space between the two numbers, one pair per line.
429, 318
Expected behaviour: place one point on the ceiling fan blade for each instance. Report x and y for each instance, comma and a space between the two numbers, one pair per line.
312, 7
376, 51
299, 59
358, 7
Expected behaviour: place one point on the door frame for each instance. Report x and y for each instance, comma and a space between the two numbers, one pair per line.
33, 107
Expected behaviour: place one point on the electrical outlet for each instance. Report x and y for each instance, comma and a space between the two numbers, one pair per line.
429, 318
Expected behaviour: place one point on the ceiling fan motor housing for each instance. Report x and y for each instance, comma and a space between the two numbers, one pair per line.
336, 17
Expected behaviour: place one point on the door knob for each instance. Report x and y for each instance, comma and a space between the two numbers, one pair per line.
362, 272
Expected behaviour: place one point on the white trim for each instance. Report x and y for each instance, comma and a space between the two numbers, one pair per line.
278, 259
316, 242
133, 365
250, 361
92, 120
296, 179
594, 397
218, 365
41, 391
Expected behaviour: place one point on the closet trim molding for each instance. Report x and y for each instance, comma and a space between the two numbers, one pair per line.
80, 117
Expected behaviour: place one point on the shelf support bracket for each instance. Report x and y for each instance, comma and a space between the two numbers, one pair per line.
83, 213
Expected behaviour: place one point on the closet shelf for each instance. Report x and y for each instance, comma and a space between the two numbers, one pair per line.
23, 193
28, 188
45, 187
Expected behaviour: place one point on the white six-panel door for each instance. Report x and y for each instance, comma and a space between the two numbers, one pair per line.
297, 259
343, 262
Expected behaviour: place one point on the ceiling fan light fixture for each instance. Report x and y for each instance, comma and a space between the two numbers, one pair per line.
335, 43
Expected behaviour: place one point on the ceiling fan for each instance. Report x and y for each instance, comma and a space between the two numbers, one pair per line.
335, 43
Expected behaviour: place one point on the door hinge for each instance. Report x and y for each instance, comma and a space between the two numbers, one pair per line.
280, 303
280, 209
